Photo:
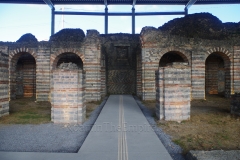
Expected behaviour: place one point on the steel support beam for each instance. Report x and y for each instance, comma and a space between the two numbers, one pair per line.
133, 20
106, 20
189, 4
53, 21
49, 3
120, 14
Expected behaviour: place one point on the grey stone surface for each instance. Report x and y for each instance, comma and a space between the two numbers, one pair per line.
46, 137
173, 149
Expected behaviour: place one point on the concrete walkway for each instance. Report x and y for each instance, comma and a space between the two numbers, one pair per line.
120, 132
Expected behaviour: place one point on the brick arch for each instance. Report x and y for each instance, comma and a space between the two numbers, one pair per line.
13, 59
180, 52
14, 56
227, 58
56, 56
225, 54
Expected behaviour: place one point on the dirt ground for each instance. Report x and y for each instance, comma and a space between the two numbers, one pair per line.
28, 111
211, 126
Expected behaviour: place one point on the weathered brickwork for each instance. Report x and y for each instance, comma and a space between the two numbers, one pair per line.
235, 104
156, 43
68, 96
4, 98
125, 63
173, 88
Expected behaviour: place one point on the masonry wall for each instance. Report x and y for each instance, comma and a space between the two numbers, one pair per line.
156, 43
173, 88
68, 96
26, 77
235, 104
4, 95
43, 71
92, 66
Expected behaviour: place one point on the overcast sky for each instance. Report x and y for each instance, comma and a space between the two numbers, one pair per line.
16, 20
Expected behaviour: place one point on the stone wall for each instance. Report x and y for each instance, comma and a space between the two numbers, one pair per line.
68, 96
156, 43
120, 53
4, 95
173, 87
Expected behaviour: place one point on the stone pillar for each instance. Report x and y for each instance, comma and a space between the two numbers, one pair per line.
236, 69
4, 95
92, 65
235, 104
43, 72
68, 96
198, 75
173, 90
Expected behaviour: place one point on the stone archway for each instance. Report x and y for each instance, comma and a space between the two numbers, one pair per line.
172, 56
68, 89
67, 53
218, 74
22, 71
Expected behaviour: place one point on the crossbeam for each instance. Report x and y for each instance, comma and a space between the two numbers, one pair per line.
189, 4
49, 3
118, 13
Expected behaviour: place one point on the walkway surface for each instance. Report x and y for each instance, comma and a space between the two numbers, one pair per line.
121, 132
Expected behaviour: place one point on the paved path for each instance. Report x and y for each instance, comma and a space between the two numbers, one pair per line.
121, 132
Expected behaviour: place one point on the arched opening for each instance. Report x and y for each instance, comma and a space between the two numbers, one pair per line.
217, 74
23, 76
172, 56
68, 60
67, 89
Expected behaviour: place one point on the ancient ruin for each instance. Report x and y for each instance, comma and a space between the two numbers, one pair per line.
197, 53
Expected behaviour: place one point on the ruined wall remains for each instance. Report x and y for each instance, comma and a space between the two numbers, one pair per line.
4, 95
173, 87
68, 96
194, 45
120, 53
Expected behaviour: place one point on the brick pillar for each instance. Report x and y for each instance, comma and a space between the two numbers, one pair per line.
43, 73
92, 66
198, 76
235, 104
173, 90
236, 69
4, 95
149, 66
68, 96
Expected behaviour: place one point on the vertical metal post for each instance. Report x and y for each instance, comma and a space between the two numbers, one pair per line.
133, 20
106, 20
53, 21
186, 11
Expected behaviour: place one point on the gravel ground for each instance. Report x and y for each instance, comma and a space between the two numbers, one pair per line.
214, 155
173, 149
66, 138
46, 137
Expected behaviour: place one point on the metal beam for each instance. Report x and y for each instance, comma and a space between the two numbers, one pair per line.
134, 3
133, 20
120, 14
49, 3
105, 3
189, 4
106, 20
53, 22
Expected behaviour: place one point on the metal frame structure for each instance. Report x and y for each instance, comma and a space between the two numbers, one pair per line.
133, 14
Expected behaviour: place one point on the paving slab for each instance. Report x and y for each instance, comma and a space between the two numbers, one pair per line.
125, 134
